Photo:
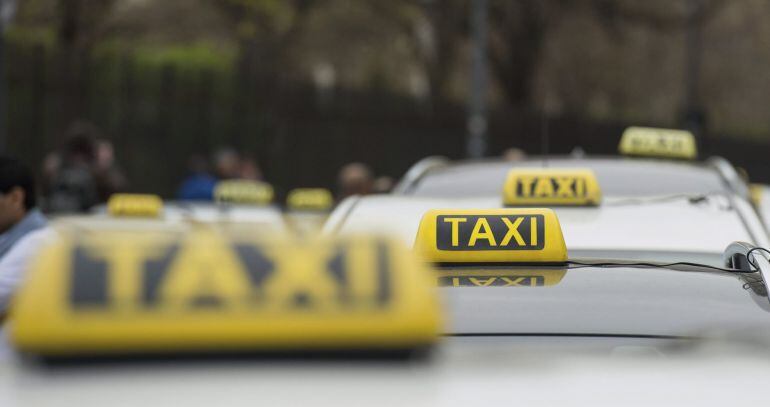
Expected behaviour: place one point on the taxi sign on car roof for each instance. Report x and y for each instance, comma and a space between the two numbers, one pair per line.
755, 193
135, 205
551, 186
653, 142
241, 191
310, 199
119, 293
491, 236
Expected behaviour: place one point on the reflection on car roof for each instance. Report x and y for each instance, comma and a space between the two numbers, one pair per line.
609, 301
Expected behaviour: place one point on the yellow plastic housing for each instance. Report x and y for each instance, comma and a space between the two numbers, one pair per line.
512, 235
756, 192
135, 205
551, 186
662, 143
243, 192
310, 199
128, 293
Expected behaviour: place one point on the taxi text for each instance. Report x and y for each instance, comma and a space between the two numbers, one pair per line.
491, 281
232, 276
490, 232
550, 187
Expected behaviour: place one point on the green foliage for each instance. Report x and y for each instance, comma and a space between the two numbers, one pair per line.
193, 57
158, 104
31, 36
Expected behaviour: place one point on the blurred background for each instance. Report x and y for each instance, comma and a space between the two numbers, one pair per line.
290, 91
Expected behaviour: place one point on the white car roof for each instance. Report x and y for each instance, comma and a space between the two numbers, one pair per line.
673, 225
466, 371
618, 176
174, 214
763, 206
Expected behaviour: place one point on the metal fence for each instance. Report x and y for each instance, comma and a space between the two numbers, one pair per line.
157, 115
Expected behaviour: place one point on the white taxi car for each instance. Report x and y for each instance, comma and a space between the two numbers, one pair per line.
521, 321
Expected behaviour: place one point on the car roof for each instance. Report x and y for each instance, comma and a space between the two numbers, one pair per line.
212, 212
617, 176
177, 213
544, 334
669, 225
464, 371
630, 301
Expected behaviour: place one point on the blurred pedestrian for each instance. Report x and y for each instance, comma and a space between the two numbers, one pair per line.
577, 152
199, 184
514, 154
72, 186
227, 163
354, 179
23, 228
249, 169
109, 177
383, 185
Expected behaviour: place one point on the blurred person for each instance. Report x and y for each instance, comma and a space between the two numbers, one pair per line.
199, 184
514, 154
383, 185
354, 179
49, 168
72, 186
249, 169
227, 163
23, 228
577, 152
109, 177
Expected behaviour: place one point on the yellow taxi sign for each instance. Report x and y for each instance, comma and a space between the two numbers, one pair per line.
756, 192
310, 199
106, 294
491, 236
654, 142
500, 278
551, 186
135, 205
243, 192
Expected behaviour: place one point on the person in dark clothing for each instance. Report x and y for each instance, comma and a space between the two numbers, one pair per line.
199, 184
72, 186
23, 228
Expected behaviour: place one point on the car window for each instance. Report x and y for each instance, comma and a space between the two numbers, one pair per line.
617, 177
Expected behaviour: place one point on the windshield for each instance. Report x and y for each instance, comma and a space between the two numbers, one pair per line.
617, 177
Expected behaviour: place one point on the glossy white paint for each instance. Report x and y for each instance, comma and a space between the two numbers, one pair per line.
268, 218
764, 204
619, 224
464, 372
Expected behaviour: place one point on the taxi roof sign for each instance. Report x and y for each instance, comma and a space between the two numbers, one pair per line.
756, 192
551, 186
240, 191
520, 235
135, 205
654, 142
313, 199
118, 294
